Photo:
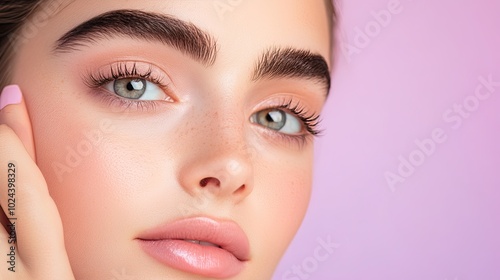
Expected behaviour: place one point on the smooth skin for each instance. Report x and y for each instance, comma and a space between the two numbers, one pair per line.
147, 166
41, 219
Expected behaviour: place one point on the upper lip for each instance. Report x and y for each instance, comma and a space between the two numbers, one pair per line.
224, 233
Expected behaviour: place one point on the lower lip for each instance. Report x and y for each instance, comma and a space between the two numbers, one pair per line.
194, 258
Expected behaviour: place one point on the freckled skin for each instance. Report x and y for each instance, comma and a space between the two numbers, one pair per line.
144, 167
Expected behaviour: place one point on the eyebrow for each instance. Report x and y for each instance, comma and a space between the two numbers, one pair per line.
184, 36
292, 63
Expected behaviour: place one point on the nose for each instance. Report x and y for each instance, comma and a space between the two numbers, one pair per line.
217, 161
227, 176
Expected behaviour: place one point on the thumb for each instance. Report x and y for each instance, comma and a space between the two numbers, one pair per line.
16, 117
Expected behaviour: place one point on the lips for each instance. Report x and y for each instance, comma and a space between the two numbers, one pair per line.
199, 245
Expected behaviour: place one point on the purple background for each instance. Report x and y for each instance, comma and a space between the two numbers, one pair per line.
443, 221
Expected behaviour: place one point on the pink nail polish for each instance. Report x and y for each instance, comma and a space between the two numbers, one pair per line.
10, 95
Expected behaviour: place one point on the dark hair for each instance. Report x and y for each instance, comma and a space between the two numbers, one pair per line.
13, 15
19, 19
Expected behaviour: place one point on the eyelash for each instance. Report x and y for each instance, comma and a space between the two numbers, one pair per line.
311, 121
123, 70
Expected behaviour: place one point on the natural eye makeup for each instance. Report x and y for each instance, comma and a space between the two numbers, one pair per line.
141, 86
131, 85
288, 120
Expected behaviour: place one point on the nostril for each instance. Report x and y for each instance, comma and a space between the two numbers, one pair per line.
240, 189
205, 181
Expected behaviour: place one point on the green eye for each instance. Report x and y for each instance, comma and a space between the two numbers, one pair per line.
278, 120
130, 88
136, 89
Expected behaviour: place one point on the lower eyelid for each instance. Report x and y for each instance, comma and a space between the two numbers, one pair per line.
297, 141
120, 104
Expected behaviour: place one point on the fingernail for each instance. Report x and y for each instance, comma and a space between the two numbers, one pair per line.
10, 95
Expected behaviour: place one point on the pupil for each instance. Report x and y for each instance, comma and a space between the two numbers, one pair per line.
136, 84
274, 119
130, 88
275, 116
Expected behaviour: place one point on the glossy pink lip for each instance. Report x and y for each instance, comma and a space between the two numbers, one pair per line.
168, 245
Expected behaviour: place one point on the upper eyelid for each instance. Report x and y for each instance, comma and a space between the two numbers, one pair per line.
129, 68
100, 76
298, 109
146, 70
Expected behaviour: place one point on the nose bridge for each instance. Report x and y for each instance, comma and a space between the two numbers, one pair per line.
225, 127
226, 144
217, 156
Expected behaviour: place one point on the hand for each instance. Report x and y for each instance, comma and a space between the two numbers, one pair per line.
31, 236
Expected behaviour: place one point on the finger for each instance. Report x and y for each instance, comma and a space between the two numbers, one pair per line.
16, 117
38, 226
10, 95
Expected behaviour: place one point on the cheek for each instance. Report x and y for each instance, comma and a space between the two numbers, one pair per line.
102, 195
95, 169
96, 177
281, 196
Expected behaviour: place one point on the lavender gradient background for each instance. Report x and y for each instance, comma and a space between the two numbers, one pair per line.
443, 221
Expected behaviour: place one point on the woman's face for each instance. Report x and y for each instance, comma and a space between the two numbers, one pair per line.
191, 111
